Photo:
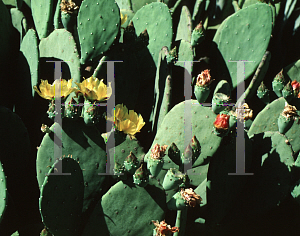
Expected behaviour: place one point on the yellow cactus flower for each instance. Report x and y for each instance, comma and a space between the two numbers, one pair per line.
123, 18
94, 89
127, 121
47, 91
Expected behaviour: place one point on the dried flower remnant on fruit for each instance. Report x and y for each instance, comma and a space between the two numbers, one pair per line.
47, 91
222, 122
243, 112
68, 6
45, 129
157, 152
289, 111
190, 197
163, 229
94, 89
204, 79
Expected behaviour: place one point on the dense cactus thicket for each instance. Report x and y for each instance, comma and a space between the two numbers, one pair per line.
143, 117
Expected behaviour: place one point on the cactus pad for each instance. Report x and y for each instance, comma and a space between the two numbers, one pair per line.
61, 199
98, 25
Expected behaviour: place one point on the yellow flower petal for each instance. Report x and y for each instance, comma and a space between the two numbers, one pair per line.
128, 127
123, 18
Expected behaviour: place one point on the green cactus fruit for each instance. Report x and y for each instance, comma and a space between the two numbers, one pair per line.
131, 163
155, 161
218, 102
140, 176
51, 110
288, 92
173, 179
72, 111
174, 154
263, 93
69, 12
195, 144
201, 93
202, 89
90, 113
155, 166
278, 83
172, 56
177, 202
119, 170
286, 118
197, 35
187, 155
284, 124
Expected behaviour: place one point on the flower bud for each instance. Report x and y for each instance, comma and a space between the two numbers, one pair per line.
278, 83
287, 92
263, 93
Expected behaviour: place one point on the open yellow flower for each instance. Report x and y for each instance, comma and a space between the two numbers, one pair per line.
123, 18
94, 89
127, 121
47, 91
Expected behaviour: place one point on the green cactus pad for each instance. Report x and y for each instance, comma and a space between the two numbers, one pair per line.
17, 18
123, 146
197, 174
42, 13
184, 29
57, 16
6, 30
272, 179
245, 35
185, 53
124, 4
173, 126
3, 192
223, 87
293, 71
224, 189
65, 50
86, 146
29, 49
98, 24
138, 4
127, 210
162, 91
61, 198
156, 18
267, 120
